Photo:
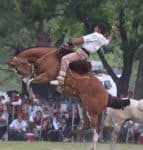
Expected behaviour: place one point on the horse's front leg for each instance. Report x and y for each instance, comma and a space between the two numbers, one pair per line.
30, 92
41, 78
114, 137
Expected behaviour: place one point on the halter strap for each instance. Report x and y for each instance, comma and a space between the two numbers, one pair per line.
29, 64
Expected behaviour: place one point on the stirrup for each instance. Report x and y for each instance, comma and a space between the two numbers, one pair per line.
62, 73
60, 78
55, 82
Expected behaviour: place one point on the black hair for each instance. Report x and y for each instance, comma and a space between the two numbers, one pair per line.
102, 28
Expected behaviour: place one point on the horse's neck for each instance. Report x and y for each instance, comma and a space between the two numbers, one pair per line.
28, 56
49, 54
35, 53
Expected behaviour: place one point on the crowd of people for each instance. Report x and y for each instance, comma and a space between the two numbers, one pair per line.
51, 120
44, 120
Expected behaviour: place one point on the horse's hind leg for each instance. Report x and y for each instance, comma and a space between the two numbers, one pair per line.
95, 139
94, 123
114, 137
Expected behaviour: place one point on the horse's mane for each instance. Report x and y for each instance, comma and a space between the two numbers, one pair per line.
80, 66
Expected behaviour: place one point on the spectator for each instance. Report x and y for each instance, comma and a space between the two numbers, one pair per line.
65, 130
48, 131
74, 118
50, 106
14, 105
36, 123
18, 129
3, 100
15, 99
57, 124
3, 121
33, 108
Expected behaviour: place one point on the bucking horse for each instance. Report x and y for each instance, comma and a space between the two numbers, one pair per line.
41, 65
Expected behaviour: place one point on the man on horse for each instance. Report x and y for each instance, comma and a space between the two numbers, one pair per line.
91, 43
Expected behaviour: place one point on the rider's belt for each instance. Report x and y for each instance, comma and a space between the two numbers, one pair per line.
85, 51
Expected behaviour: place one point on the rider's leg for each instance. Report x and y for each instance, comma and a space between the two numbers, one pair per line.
66, 60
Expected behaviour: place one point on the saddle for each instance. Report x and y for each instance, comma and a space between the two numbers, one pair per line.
79, 66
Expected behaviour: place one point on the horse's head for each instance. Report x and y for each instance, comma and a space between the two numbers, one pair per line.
21, 66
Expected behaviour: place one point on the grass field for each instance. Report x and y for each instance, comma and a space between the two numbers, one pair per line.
62, 146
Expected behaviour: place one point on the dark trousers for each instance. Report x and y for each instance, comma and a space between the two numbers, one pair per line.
16, 136
2, 131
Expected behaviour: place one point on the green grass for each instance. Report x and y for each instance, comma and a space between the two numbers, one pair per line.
62, 146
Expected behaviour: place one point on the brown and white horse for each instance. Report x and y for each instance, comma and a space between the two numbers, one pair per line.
86, 87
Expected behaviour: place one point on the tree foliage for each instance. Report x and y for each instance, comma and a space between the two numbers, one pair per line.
28, 23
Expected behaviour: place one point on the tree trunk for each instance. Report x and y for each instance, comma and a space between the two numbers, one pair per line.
139, 81
123, 83
43, 38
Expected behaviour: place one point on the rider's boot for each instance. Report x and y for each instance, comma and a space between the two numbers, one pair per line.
60, 79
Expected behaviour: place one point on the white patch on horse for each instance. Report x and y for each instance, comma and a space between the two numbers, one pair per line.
95, 139
116, 117
26, 80
87, 113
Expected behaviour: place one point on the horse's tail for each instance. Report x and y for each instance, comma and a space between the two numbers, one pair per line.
117, 103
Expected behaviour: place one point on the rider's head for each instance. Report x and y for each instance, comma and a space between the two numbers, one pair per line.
100, 28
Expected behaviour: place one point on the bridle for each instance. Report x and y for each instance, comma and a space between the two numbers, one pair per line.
26, 62
21, 60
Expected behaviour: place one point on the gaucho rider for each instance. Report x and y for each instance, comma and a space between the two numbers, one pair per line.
91, 43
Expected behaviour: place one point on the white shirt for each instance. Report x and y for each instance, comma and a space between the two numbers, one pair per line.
4, 116
17, 103
56, 123
94, 41
4, 101
19, 125
33, 109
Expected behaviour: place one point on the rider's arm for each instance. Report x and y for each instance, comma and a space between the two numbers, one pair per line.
76, 41
111, 34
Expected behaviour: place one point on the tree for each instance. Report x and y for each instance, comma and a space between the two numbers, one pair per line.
128, 17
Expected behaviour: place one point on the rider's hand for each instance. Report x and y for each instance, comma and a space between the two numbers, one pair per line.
68, 45
113, 29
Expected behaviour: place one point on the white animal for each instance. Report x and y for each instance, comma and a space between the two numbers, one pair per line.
116, 118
